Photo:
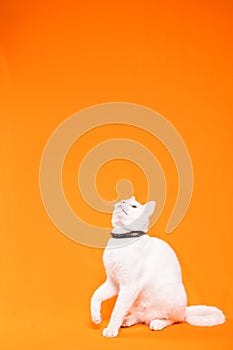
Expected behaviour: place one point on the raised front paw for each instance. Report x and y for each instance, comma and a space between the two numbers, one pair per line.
96, 316
111, 333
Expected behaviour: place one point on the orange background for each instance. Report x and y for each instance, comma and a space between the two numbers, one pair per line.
58, 57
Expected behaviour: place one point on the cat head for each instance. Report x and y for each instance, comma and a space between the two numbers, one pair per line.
130, 215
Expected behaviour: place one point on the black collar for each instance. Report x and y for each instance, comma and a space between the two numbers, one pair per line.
128, 234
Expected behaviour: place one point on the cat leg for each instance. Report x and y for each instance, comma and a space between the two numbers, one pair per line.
165, 318
129, 321
158, 324
126, 298
106, 291
172, 315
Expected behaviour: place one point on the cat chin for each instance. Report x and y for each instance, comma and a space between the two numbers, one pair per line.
123, 220
119, 221
139, 224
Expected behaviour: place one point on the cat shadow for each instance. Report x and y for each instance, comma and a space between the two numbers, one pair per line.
178, 332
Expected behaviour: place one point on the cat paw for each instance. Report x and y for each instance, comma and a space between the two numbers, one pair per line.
96, 317
110, 333
129, 321
157, 325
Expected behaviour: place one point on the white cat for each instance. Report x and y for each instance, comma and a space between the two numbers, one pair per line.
145, 274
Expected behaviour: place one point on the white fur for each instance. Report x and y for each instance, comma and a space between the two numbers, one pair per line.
145, 274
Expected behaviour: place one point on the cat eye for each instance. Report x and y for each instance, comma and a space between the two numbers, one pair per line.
133, 206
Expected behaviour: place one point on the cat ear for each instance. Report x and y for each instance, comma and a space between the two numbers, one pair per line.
149, 208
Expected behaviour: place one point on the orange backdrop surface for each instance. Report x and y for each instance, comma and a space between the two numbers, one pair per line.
58, 57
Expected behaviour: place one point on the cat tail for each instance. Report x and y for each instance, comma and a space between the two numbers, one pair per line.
205, 316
